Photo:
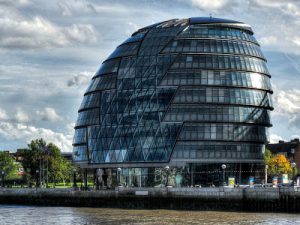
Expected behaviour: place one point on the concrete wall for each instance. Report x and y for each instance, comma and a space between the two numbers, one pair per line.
229, 199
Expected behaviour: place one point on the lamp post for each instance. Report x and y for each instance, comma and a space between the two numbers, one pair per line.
37, 178
167, 171
223, 168
3, 173
119, 176
47, 151
74, 179
293, 166
266, 174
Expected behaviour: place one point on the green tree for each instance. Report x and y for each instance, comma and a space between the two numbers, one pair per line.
47, 159
60, 169
277, 164
8, 166
268, 156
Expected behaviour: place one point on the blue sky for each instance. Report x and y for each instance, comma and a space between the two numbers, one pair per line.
49, 50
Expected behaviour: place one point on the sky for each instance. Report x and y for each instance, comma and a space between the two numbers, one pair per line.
50, 49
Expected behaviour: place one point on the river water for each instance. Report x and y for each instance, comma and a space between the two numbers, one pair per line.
27, 215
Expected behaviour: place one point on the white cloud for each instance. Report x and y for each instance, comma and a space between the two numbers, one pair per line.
70, 127
209, 4
15, 2
21, 116
3, 115
17, 31
69, 8
274, 138
81, 33
81, 79
48, 114
295, 136
65, 9
287, 102
19, 131
269, 3
293, 9
132, 27
287, 105
296, 40
269, 40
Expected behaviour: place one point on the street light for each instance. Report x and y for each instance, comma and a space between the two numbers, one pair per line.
266, 174
74, 179
3, 173
167, 171
223, 168
37, 178
293, 166
119, 176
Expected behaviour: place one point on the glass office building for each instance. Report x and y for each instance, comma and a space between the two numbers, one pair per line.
173, 103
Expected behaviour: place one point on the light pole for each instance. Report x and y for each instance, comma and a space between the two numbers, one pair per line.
167, 171
223, 168
266, 174
293, 166
3, 173
74, 179
46, 150
37, 178
119, 176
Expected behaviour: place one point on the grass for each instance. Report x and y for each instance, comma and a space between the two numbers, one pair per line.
57, 185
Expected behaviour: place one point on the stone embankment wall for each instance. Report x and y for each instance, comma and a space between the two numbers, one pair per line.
229, 199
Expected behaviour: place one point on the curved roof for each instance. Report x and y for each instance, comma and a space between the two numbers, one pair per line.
204, 21
227, 22
196, 20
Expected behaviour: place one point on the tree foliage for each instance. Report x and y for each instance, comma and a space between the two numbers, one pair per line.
268, 156
277, 164
8, 166
47, 160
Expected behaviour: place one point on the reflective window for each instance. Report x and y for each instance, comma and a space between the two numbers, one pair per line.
215, 77
90, 101
79, 136
222, 95
79, 153
226, 132
133, 144
103, 82
110, 66
88, 117
137, 37
217, 150
157, 39
210, 113
220, 62
202, 31
213, 46
125, 50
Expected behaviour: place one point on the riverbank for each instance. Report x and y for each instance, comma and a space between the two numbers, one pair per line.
228, 199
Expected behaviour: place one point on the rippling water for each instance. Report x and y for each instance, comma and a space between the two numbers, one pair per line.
25, 215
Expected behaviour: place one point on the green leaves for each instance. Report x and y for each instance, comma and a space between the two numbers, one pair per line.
47, 159
277, 164
8, 166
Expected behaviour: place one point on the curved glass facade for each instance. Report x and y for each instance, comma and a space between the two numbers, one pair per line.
191, 94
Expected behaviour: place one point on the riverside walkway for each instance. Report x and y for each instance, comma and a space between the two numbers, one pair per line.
230, 199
